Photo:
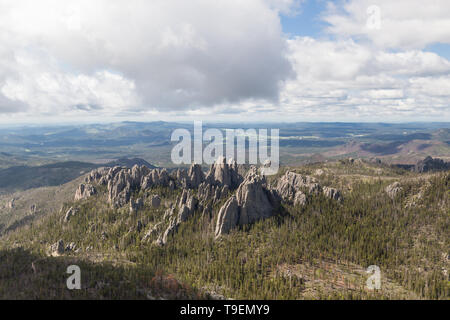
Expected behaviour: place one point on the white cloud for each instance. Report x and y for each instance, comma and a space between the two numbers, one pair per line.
224, 59
345, 80
406, 24
140, 55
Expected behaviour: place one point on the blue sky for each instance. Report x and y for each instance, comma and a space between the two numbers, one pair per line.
308, 23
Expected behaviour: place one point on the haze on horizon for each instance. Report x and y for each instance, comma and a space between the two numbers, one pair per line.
231, 61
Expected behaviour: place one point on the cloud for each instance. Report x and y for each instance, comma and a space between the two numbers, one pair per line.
404, 24
345, 80
225, 59
139, 55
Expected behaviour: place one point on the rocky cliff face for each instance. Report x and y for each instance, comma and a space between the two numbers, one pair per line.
223, 173
247, 199
430, 164
84, 191
253, 202
292, 186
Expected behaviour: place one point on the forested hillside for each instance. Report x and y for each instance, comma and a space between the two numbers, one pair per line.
317, 248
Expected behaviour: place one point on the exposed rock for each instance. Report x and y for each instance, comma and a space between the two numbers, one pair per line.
33, 209
187, 204
152, 231
119, 188
195, 176
393, 189
183, 213
430, 164
292, 182
70, 247
171, 229
332, 193
299, 199
253, 201
84, 191
11, 204
96, 175
222, 173
70, 213
228, 217
57, 248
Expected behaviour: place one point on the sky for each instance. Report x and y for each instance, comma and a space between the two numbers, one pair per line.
224, 60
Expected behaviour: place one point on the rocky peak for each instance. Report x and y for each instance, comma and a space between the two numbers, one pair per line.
430, 164
290, 187
222, 173
84, 191
253, 201
195, 175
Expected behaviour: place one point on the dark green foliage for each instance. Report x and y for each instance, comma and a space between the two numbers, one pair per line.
406, 237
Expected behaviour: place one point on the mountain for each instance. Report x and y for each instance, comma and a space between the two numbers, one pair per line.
129, 163
309, 232
18, 178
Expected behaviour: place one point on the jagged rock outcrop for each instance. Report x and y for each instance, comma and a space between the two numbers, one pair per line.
291, 184
57, 248
393, 189
96, 175
187, 204
171, 229
253, 202
119, 188
222, 173
195, 176
254, 199
85, 191
69, 214
300, 199
430, 164
70, 247
332, 193
155, 229
122, 182
11, 204
228, 217
208, 192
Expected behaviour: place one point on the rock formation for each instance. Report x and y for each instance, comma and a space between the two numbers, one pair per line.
430, 164
69, 214
393, 189
84, 191
195, 176
228, 217
291, 186
332, 193
57, 248
253, 201
223, 173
